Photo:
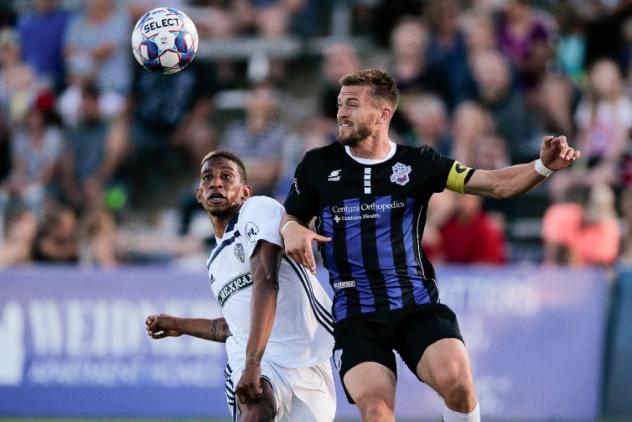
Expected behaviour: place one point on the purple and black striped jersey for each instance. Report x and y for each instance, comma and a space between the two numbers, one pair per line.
375, 214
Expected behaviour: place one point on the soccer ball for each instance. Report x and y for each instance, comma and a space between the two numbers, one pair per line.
164, 40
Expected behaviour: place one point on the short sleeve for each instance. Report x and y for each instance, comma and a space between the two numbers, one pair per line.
440, 166
259, 220
302, 200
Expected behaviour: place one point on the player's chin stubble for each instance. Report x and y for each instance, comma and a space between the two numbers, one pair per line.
224, 212
355, 137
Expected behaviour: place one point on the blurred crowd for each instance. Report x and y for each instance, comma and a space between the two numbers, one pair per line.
99, 158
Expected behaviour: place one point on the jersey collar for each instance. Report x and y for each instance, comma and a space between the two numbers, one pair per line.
368, 161
229, 227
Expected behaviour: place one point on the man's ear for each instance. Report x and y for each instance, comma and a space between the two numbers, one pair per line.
387, 112
198, 195
247, 192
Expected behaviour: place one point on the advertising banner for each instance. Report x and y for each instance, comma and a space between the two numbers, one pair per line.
74, 344
618, 400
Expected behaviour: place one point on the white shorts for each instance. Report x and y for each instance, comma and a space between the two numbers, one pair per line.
302, 394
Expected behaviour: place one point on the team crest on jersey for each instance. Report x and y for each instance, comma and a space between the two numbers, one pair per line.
400, 174
252, 231
338, 359
238, 250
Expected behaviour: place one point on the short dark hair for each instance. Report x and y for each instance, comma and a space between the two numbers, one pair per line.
383, 85
219, 153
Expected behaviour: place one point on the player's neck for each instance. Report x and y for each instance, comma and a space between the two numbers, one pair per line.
220, 224
372, 148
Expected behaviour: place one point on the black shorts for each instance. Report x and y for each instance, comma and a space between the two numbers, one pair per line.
373, 337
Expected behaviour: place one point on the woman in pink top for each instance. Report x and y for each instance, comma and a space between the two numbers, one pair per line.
583, 234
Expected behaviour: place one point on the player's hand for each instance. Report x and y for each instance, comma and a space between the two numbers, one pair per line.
161, 326
249, 387
556, 154
297, 241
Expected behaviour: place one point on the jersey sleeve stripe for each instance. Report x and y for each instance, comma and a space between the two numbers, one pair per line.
324, 318
324, 310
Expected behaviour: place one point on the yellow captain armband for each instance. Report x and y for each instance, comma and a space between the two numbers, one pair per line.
458, 176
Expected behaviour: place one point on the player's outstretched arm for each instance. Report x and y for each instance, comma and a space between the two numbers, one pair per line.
161, 326
555, 154
297, 240
264, 266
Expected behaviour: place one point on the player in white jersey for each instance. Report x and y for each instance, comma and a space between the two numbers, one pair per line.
276, 325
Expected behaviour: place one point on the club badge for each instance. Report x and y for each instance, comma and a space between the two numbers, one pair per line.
238, 250
400, 174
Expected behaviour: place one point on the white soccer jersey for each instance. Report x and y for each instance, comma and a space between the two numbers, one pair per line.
302, 332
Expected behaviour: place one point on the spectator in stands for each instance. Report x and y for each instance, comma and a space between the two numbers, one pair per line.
100, 35
606, 33
447, 49
428, 119
625, 206
213, 19
339, 59
259, 138
99, 239
269, 18
604, 119
474, 142
479, 32
18, 82
409, 42
496, 93
604, 116
79, 77
553, 104
160, 112
571, 46
307, 134
555, 96
582, 230
410, 67
35, 153
16, 247
57, 240
524, 36
42, 33
93, 153
489, 7
470, 236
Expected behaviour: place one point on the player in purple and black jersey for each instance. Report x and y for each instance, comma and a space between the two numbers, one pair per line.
369, 197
